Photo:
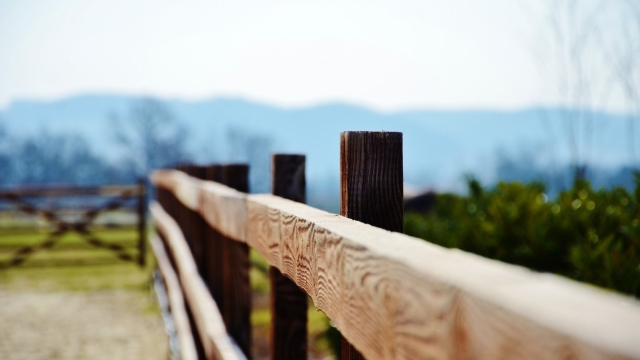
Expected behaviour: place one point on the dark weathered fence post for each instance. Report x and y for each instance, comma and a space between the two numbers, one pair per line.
371, 186
236, 311
165, 199
142, 222
213, 273
288, 301
183, 217
181, 213
196, 223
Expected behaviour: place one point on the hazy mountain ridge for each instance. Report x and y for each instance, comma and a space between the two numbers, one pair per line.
439, 145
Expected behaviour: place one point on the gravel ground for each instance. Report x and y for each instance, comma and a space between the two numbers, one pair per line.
112, 324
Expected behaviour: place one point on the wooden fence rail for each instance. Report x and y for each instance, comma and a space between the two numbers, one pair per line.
211, 330
392, 296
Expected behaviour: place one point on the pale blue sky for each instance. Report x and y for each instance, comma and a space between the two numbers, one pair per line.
388, 55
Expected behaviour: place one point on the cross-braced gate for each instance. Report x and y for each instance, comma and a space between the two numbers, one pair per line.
87, 203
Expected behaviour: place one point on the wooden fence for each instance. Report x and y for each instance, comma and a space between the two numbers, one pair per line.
391, 296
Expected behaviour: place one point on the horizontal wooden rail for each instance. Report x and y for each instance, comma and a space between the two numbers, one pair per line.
398, 297
222, 207
217, 344
176, 301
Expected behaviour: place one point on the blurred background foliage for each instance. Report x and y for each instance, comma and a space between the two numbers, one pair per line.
585, 234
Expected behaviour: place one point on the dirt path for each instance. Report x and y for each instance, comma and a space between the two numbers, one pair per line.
110, 324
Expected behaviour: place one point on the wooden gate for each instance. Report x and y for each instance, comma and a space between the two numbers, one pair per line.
90, 212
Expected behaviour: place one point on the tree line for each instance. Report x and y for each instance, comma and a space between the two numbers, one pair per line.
148, 136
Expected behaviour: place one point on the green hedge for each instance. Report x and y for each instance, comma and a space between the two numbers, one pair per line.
585, 234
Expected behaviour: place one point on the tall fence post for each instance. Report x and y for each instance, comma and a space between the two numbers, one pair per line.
183, 217
371, 186
142, 222
165, 199
288, 301
196, 223
213, 274
181, 213
235, 262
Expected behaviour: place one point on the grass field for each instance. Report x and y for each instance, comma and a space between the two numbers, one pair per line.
72, 263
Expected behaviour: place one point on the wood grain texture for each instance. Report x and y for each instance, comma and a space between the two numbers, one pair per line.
176, 301
222, 207
288, 301
211, 329
371, 178
404, 298
397, 297
371, 187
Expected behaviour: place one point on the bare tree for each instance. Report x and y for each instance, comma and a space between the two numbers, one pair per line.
571, 39
588, 58
623, 55
150, 135
46, 158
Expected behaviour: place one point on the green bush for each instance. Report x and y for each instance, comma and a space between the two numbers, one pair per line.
585, 234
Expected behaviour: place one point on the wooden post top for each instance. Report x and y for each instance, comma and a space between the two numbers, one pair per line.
288, 177
371, 178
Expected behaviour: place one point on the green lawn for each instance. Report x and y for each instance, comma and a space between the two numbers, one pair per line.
72, 263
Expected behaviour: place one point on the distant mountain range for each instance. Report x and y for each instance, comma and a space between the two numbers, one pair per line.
439, 145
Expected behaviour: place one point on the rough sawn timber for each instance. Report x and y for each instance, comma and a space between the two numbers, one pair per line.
370, 188
400, 297
289, 305
222, 207
236, 286
217, 343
